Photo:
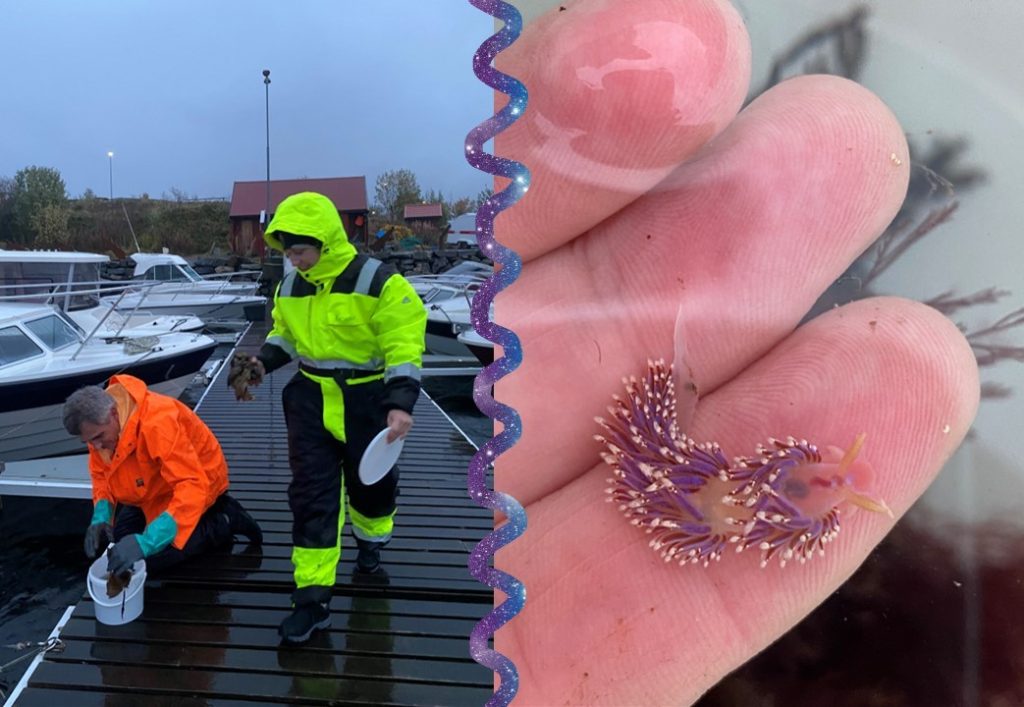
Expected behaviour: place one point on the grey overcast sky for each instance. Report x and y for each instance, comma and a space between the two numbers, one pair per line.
175, 90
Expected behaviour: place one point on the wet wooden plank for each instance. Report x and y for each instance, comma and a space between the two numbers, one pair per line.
56, 697
184, 635
380, 666
325, 683
208, 634
189, 596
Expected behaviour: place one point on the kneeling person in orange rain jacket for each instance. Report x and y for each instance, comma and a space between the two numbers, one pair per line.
160, 465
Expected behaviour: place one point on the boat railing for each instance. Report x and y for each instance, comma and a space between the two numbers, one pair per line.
63, 294
441, 287
448, 280
244, 276
192, 287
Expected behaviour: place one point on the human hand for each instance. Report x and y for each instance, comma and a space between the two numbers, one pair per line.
648, 193
97, 537
399, 424
125, 553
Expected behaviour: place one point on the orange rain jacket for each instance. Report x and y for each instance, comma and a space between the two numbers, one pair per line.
167, 459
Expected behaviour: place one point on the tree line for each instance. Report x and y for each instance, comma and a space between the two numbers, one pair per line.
36, 212
396, 189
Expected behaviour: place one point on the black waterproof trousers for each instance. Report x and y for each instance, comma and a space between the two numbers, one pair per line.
211, 532
324, 469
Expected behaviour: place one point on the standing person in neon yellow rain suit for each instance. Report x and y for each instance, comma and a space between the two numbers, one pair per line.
357, 328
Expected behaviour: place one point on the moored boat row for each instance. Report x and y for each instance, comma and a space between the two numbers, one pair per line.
62, 327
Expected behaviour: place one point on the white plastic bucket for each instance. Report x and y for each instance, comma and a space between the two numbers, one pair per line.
124, 607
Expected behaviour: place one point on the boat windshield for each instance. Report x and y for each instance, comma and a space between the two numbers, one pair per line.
469, 267
53, 331
15, 345
190, 273
172, 272
435, 293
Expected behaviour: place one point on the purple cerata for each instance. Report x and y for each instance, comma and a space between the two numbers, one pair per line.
785, 500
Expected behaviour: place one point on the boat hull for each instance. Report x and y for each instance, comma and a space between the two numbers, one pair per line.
38, 431
441, 339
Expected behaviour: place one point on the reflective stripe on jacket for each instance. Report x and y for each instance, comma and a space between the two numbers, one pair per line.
348, 312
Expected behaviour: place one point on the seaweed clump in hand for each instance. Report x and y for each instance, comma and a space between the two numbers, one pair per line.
245, 370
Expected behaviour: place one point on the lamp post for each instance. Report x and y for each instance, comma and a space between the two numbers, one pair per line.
266, 85
110, 160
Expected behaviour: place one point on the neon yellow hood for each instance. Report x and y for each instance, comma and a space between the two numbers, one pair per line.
314, 215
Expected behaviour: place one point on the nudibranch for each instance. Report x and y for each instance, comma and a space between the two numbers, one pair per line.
785, 500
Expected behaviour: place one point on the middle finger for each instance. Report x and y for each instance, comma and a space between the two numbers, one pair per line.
745, 237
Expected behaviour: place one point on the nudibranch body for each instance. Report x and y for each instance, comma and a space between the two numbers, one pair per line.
785, 500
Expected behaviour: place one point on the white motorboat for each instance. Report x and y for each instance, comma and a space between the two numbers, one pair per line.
208, 307
445, 321
447, 297
465, 277
166, 284
172, 273
478, 345
44, 357
71, 280
450, 329
106, 322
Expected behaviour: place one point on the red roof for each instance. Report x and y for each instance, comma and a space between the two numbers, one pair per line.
249, 198
423, 211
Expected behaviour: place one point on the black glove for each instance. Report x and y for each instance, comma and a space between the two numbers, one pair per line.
125, 553
97, 537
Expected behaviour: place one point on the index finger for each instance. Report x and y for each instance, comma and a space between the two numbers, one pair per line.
620, 92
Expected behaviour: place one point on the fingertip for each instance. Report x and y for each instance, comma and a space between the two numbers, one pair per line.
882, 134
620, 92
956, 379
919, 388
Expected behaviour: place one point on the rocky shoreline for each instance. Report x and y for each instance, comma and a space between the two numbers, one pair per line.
421, 261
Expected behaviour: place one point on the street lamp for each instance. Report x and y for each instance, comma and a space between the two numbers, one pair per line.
266, 85
110, 160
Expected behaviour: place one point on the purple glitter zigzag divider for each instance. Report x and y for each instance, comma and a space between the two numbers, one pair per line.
511, 265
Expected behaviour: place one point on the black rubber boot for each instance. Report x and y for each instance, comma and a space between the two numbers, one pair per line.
299, 625
368, 559
241, 522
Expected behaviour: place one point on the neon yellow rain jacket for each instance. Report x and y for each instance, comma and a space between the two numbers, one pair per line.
348, 314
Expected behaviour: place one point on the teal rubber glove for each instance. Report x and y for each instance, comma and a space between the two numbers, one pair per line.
158, 534
132, 548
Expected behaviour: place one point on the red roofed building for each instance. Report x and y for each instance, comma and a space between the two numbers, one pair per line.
249, 199
424, 219
424, 211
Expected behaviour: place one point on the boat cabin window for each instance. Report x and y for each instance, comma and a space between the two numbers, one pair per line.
39, 281
15, 345
171, 272
53, 331
432, 294
162, 273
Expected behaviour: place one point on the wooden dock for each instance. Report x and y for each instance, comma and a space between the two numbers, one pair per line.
208, 634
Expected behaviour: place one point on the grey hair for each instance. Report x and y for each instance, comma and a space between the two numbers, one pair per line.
89, 404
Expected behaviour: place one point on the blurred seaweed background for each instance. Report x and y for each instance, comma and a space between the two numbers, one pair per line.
933, 617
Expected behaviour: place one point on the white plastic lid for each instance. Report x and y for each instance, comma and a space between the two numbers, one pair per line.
379, 457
